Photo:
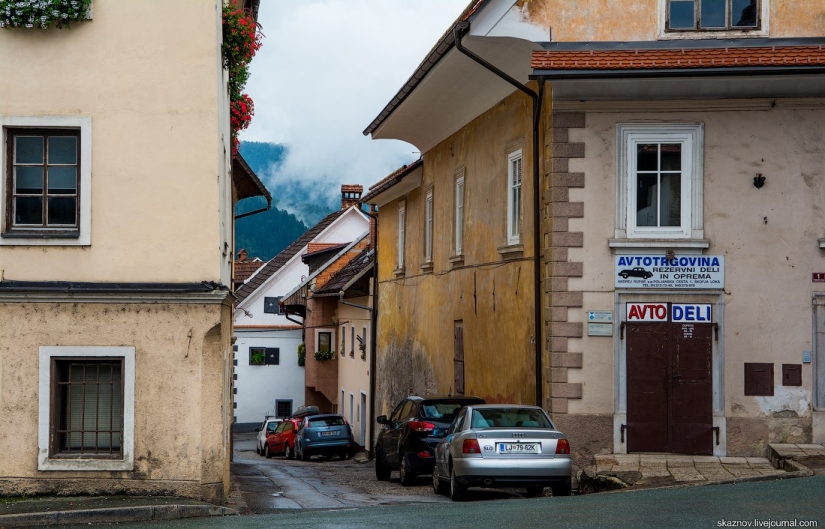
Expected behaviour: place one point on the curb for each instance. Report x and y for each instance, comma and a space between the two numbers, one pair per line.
114, 515
606, 484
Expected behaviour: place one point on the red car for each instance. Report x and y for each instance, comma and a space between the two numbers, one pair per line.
282, 440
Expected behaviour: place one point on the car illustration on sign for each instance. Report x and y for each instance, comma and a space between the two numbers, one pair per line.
636, 272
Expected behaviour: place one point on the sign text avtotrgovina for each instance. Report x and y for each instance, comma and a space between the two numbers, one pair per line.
656, 271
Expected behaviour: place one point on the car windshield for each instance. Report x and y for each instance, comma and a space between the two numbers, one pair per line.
441, 410
320, 422
509, 418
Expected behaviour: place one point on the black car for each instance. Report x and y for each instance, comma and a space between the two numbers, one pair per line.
636, 272
409, 436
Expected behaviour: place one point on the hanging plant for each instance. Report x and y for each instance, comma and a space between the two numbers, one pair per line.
242, 38
302, 354
42, 13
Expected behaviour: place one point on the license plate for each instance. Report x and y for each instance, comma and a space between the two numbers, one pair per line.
518, 448
324, 434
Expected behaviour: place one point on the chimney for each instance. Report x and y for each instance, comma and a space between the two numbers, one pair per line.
350, 195
373, 226
242, 255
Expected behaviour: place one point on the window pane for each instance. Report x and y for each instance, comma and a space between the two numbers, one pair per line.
712, 14
62, 211
62, 180
646, 200
671, 197
682, 15
62, 149
28, 180
647, 157
324, 341
743, 13
28, 149
671, 157
28, 210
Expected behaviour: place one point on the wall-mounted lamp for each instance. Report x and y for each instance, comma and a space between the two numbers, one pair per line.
758, 181
669, 255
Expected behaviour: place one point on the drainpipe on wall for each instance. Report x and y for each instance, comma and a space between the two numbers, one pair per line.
459, 31
373, 214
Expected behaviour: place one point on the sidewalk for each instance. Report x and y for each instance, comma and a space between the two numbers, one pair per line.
637, 471
58, 510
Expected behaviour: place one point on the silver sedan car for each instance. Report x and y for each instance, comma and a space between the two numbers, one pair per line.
502, 445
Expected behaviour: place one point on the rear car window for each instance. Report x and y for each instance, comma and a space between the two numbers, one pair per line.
444, 410
320, 422
510, 418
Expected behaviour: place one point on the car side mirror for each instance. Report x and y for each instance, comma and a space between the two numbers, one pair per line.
382, 419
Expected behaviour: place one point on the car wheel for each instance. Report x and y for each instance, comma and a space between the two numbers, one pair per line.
267, 453
438, 485
457, 490
344, 454
534, 490
624, 276
563, 489
407, 475
288, 452
382, 473
304, 456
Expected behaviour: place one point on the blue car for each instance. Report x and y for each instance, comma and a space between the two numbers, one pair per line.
325, 435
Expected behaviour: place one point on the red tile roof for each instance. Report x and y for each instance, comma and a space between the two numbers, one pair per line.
244, 269
680, 58
277, 262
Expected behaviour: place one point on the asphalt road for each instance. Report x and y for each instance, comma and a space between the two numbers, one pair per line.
707, 506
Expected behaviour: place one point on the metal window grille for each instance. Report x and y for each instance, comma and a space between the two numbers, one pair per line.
87, 404
283, 408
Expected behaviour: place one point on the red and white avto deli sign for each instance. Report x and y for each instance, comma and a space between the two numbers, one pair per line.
676, 312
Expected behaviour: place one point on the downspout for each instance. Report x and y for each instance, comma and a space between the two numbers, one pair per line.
261, 210
459, 31
373, 331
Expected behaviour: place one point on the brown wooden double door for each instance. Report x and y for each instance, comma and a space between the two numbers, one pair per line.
669, 387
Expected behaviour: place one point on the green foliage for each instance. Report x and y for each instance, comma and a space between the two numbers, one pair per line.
324, 355
257, 357
42, 13
302, 354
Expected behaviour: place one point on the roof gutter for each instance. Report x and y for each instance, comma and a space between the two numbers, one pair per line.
260, 210
459, 31
562, 75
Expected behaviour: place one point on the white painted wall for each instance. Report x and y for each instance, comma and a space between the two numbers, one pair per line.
260, 386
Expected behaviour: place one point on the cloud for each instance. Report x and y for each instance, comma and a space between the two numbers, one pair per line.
326, 69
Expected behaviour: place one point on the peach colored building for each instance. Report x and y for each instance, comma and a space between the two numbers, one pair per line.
116, 253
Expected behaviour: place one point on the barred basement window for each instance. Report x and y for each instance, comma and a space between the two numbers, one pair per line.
87, 397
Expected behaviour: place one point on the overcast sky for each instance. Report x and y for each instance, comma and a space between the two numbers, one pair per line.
325, 71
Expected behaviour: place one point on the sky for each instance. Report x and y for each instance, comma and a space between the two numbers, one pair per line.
326, 69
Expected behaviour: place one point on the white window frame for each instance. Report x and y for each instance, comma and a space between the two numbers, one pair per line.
689, 34
45, 356
428, 227
515, 200
84, 125
691, 137
402, 219
459, 215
